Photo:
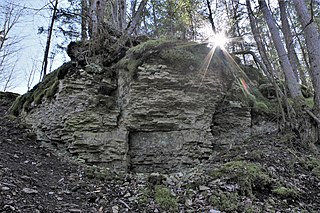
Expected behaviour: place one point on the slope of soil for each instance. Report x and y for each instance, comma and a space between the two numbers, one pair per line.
268, 173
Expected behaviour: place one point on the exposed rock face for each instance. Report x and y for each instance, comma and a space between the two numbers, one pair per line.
168, 114
159, 117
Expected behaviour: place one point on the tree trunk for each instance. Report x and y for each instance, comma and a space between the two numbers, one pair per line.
289, 43
266, 65
154, 16
302, 46
292, 83
97, 8
211, 17
122, 17
261, 48
312, 40
46, 52
137, 17
84, 19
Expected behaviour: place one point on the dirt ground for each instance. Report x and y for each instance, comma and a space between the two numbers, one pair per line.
269, 173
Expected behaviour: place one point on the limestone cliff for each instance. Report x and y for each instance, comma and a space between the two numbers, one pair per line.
158, 109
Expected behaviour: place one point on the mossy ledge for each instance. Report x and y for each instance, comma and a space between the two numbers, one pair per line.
45, 89
174, 52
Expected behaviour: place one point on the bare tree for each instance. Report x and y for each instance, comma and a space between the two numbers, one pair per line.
136, 17
84, 19
311, 34
30, 74
96, 17
119, 14
211, 16
299, 74
9, 49
266, 65
292, 83
267, 68
47, 49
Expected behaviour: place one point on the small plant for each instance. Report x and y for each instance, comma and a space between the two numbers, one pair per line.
165, 199
52, 90
17, 105
285, 192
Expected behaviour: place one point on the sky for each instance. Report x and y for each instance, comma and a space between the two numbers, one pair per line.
32, 44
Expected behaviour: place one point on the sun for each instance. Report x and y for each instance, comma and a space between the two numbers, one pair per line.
219, 39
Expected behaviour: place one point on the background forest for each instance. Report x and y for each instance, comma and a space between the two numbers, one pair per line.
281, 38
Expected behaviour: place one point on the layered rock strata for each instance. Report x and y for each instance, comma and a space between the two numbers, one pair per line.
160, 116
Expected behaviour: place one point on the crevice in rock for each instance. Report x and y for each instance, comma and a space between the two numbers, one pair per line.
218, 110
129, 163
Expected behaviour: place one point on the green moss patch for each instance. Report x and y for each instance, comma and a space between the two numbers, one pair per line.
8, 96
135, 56
249, 176
225, 201
165, 199
175, 53
284, 192
309, 102
45, 89
231, 202
254, 74
313, 165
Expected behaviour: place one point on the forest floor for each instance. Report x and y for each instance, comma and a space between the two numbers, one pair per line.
268, 173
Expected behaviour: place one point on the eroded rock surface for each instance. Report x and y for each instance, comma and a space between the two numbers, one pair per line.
160, 116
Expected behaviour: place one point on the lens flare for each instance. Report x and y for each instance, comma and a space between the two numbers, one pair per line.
219, 39
244, 85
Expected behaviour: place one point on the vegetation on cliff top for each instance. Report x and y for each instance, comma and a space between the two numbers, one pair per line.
43, 90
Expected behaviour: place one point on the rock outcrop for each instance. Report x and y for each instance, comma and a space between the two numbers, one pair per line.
161, 108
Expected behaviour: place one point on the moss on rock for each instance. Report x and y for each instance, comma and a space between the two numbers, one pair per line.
254, 74
8, 96
178, 54
225, 201
249, 176
285, 192
45, 89
137, 55
165, 199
